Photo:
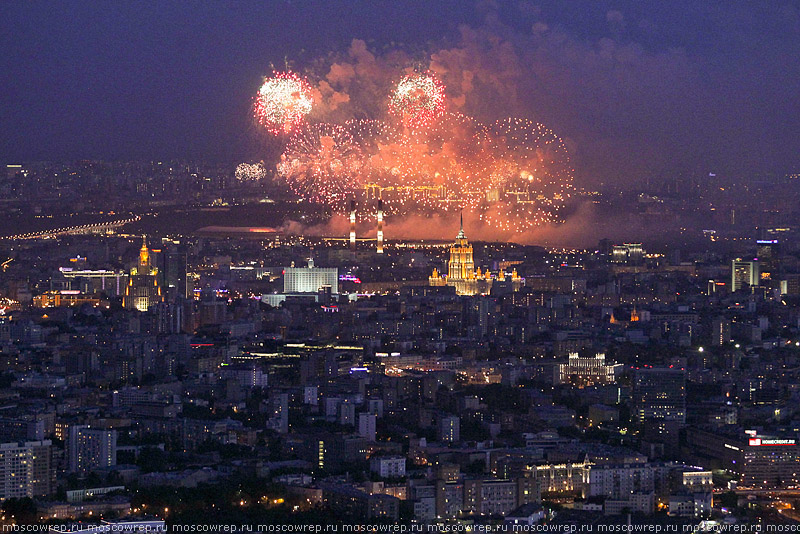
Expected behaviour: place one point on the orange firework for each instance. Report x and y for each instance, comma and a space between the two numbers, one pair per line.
515, 174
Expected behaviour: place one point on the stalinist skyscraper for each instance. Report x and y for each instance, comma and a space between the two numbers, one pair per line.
461, 269
142, 290
461, 265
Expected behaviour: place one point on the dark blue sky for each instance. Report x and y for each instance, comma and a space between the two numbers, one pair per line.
638, 86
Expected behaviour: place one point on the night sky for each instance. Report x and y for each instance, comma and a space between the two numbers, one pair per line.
637, 88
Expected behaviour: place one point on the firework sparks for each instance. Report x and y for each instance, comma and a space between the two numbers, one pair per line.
515, 174
418, 100
282, 102
529, 175
247, 172
323, 165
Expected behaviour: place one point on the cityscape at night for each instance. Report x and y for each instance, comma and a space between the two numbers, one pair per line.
365, 266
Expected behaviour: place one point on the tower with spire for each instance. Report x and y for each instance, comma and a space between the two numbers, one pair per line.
144, 256
461, 272
461, 265
143, 289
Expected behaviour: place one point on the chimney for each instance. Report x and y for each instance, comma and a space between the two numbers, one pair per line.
380, 226
353, 225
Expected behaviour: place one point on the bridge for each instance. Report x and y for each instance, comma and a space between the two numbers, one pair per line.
85, 229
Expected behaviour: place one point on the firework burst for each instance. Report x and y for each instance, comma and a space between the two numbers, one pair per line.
323, 165
514, 174
418, 100
282, 102
529, 177
250, 172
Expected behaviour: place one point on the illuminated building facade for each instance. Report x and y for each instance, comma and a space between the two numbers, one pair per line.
631, 253
103, 281
310, 279
659, 394
583, 372
762, 461
562, 478
26, 469
56, 299
461, 272
91, 448
744, 274
143, 289
770, 462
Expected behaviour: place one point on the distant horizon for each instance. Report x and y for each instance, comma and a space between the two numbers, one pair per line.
789, 173
635, 88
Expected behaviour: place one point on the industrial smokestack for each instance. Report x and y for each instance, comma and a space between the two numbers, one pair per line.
380, 226
353, 225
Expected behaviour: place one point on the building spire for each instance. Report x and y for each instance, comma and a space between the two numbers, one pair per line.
144, 254
461, 231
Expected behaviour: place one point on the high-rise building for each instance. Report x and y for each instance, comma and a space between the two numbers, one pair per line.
366, 425
278, 420
770, 462
143, 289
762, 461
310, 279
744, 274
659, 404
720, 331
767, 251
461, 272
659, 394
26, 469
171, 317
461, 265
91, 448
43, 467
449, 428
173, 273
21, 429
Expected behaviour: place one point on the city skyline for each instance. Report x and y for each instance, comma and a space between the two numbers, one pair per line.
404, 266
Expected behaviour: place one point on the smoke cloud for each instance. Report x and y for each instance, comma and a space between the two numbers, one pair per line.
636, 97
582, 229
